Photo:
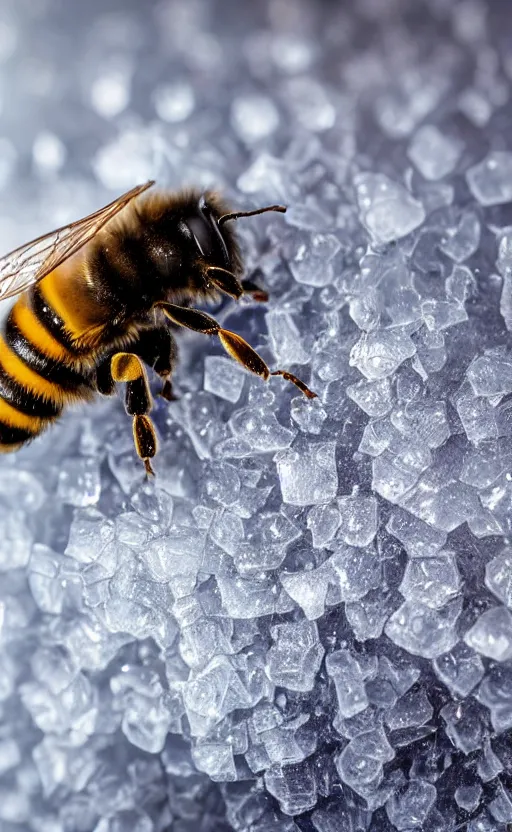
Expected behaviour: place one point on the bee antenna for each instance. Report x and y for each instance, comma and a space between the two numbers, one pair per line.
238, 214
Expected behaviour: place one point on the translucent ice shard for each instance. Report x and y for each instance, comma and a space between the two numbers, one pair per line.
431, 581
490, 181
387, 210
409, 808
434, 154
309, 589
358, 519
223, 377
308, 474
460, 242
374, 397
498, 576
491, 634
349, 681
422, 630
461, 669
295, 656
378, 354
311, 264
490, 374
287, 342
293, 786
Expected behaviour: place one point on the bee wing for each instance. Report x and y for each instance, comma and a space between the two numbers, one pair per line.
29, 263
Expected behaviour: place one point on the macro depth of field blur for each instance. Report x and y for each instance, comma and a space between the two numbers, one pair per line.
305, 623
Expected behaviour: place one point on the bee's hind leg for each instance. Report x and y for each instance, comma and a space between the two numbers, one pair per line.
128, 368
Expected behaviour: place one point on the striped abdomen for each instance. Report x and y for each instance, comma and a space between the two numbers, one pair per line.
39, 369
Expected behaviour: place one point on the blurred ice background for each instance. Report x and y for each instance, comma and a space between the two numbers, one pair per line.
307, 623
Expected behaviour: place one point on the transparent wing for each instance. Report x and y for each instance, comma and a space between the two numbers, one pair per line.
31, 262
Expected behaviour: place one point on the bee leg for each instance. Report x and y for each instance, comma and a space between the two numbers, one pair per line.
158, 350
239, 349
253, 289
128, 368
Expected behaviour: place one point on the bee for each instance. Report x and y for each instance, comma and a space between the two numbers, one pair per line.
96, 301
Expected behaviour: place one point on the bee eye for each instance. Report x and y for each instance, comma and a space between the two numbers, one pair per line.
201, 234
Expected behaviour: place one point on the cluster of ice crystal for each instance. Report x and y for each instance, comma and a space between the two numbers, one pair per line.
305, 623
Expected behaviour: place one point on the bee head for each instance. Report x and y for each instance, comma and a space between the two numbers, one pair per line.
216, 242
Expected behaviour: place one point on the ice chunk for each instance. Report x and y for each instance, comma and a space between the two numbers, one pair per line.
323, 522
214, 692
460, 284
285, 338
295, 657
368, 615
361, 761
259, 427
309, 589
126, 820
174, 102
310, 103
461, 669
312, 263
425, 423
490, 181
138, 696
491, 373
498, 576
442, 314
378, 354
431, 581
489, 765
308, 414
447, 507
223, 377
269, 175
54, 667
411, 710
394, 476
357, 570
468, 797
501, 807
422, 630
483, 465
293, 786
266, 541
358, 519
15, 540
349, 682
409, 807
248, 598
386, 208
434, 154
464, 725
461, 242
216, 759
491, 634
476, 414
418, 538
89, 534
374, 397
308, 474
79, 482
51, 577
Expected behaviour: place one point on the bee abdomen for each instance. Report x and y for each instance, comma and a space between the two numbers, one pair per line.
37, 377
